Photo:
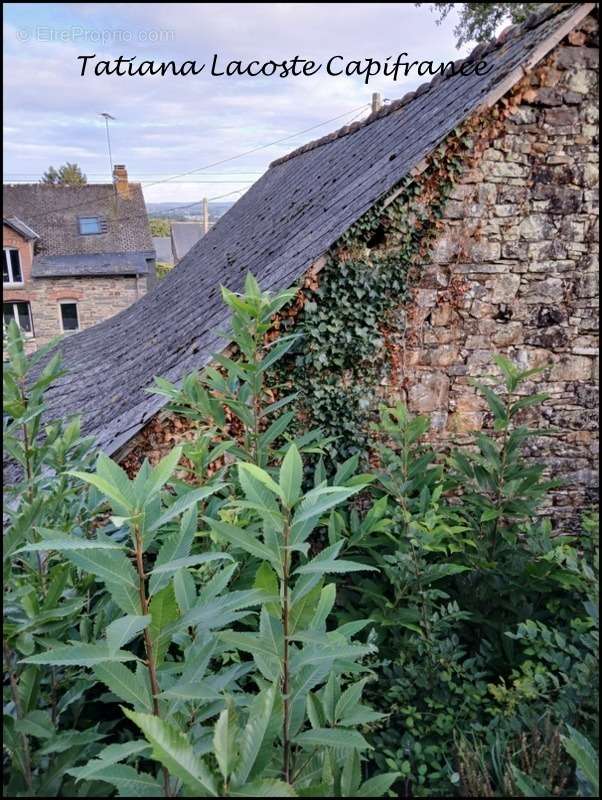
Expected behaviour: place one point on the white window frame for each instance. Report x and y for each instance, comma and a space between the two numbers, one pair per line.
89, 233
11, 278
14, 303
69, 303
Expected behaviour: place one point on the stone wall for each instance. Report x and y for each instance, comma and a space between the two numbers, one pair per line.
515, 271
97, 299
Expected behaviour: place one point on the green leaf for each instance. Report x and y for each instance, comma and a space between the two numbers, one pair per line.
162, 472
36, 723
349, 699
80, 655
183, 503
243, 539
332, 565
185, 590
377, 786
60, 541
266, 580
123, 630
248, 643
585, 757
67, 739
256, 740
176, 546
128, 781
262, 476
291, 476
527, 785
313, 505
116, 571
163, 610
224, 742
332, 737
111, 754
120, 503
125, 684
190, 561
173, 750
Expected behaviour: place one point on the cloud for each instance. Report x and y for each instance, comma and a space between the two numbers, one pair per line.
170, 125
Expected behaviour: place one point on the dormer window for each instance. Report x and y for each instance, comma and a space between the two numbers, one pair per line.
90, 225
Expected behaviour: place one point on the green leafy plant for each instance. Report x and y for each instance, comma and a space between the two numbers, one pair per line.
247, 619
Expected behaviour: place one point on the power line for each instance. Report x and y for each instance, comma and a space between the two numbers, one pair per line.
354, 111
35, 176
260, 147
104, 183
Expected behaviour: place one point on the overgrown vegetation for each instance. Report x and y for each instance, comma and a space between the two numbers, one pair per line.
353, 315
239, 621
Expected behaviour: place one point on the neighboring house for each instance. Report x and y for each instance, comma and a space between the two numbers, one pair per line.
184, 235
162, 245
18, 244
73, 255
513, 267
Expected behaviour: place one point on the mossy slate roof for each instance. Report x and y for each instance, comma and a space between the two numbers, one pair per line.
284, 222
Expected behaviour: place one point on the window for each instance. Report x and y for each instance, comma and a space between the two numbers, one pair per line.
11, 266
21, 314
88, 225
69, 318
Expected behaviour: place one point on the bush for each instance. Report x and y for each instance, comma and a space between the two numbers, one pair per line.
234, 622
488, 620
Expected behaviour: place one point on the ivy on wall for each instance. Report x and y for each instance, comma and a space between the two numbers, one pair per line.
352, 313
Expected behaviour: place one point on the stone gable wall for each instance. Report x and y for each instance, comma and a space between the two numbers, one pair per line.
515, 271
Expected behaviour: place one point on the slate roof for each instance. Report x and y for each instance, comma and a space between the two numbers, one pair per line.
184, 235
92, 264
284, 222
162, 245
20, 227
54, 211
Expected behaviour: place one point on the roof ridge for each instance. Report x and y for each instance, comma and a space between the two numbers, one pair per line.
484, 48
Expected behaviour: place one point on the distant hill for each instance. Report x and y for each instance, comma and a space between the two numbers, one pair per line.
171, 210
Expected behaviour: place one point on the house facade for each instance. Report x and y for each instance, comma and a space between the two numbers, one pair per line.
73, 256
474, 197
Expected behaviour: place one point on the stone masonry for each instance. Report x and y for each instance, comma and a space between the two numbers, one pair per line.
97, 299
515, 271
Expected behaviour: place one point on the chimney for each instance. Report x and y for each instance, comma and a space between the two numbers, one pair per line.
377, 101
120, 181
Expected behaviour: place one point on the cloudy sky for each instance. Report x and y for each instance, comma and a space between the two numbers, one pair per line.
170, 125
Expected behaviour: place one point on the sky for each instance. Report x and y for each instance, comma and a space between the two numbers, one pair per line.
168, 125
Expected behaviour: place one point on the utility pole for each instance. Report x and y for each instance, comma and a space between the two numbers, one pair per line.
107, 117
205, 215
377, 101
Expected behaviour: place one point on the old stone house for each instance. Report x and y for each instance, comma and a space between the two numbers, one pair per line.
73, 255
478, 193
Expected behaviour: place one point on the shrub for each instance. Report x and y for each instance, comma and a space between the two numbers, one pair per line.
233, 622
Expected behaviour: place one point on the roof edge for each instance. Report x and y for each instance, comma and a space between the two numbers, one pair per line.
535, 19
20, 227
